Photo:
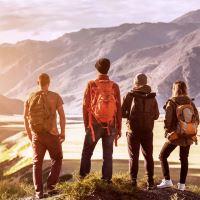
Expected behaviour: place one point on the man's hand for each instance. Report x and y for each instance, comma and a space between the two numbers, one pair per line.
62, 123
62, 137
26, 123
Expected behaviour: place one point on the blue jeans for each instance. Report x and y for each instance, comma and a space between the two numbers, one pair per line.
89, 146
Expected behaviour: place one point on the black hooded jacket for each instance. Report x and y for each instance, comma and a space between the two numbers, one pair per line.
140, 108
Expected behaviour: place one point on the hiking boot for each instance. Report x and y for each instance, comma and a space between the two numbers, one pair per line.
165, 184
150, 185
81, 177
38, 196
52, 192
181, 186
134, 182
108, 181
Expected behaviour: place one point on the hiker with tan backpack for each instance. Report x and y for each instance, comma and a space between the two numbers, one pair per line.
40, 118
181, 122
102, 119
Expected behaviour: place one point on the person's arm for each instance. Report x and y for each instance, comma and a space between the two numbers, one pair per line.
196, 112
168, 118
86, 104
126, 106
26, 123
61, 114
119, 111
156, 110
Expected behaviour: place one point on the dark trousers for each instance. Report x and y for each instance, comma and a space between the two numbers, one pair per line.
164, 154
145, 140
89, 146
42, 143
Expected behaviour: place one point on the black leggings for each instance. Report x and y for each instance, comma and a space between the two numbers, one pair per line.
164, 154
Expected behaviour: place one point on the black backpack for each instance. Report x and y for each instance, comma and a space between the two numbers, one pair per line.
140, 114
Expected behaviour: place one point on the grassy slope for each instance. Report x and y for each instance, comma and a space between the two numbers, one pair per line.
93, 188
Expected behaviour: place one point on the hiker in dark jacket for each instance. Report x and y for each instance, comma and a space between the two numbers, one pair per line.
102, 119
140, 108
179, 97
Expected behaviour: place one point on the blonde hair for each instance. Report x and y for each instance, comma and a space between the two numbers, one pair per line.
179, 89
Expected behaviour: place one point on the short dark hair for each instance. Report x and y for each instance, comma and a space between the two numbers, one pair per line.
44, 79
103, 65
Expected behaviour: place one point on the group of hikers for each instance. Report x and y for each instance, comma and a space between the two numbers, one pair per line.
102, 114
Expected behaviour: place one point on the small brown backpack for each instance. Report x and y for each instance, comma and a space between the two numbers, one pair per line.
40, 118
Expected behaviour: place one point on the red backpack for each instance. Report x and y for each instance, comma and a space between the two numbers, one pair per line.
102, 104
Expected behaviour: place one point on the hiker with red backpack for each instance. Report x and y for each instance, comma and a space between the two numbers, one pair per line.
40, 118
102, 119
140, 108
181, 122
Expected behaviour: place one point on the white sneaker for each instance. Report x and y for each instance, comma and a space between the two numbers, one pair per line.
181, 186
165, 184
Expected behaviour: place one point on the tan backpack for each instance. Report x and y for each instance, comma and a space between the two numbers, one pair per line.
40, 118
187, 123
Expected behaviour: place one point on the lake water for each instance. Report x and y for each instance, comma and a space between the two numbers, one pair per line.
72, 147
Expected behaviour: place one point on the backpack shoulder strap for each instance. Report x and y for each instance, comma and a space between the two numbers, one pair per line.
130, 97
92, 84
173, 102
170, 101
33, 99
46, 104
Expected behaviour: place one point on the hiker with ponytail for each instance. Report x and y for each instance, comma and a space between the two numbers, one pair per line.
181, 122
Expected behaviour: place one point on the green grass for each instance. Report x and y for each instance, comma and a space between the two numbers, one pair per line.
93, 188
194, 188
93, 185
12, 191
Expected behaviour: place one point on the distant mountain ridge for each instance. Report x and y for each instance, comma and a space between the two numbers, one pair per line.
191, 17
165, 51
10, 106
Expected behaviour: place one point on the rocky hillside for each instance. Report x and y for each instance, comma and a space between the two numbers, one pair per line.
10, 106
165, 51
191, 17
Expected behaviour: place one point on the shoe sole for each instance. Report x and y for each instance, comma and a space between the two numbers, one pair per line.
162, 187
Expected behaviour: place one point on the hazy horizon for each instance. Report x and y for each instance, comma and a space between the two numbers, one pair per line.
48, 20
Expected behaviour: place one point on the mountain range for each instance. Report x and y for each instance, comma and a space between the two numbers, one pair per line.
164, 51
10, 106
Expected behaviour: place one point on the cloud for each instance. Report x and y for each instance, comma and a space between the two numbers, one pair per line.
46, 16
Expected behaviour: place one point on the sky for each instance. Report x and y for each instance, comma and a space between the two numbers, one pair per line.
49, 19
